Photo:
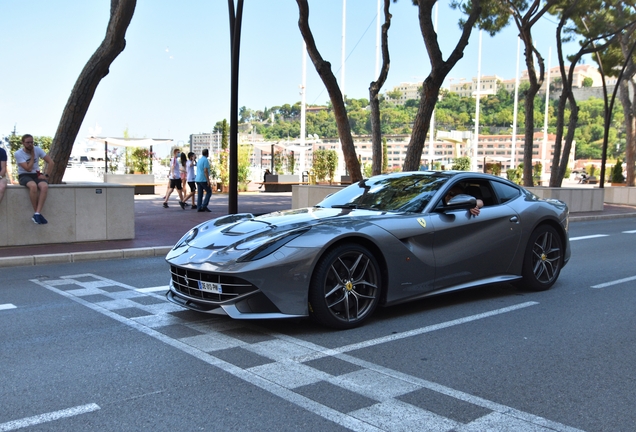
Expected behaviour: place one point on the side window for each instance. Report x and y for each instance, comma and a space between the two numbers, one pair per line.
505, 192
480, 189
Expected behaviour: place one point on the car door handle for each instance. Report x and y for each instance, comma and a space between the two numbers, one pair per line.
514, 219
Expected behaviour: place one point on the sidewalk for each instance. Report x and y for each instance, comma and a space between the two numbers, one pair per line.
157, 229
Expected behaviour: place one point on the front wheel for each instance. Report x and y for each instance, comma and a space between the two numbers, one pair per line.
543, 259
345, 287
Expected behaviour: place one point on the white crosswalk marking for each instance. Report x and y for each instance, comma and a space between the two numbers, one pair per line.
588, 237
7, 306
616, 282
48, 417
285, 366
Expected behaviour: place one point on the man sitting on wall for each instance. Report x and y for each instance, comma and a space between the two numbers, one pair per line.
29, 175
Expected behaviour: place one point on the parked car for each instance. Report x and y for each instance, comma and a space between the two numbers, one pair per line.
379, 242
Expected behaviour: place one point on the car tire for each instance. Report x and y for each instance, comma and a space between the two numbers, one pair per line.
543, 259
345, 287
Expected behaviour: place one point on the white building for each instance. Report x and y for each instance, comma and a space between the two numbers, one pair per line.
407, 91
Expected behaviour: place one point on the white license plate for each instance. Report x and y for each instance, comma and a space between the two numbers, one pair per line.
212, 287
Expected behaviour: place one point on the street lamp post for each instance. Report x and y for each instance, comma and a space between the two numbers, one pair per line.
235, 38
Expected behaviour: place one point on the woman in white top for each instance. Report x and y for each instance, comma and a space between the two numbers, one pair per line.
175, 180
190, 174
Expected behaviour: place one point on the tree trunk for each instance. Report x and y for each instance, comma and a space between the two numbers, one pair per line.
560, 161
524, 21
630, 130
430, 93
374, 90
535, 85
434, 81
121, 12
335, 95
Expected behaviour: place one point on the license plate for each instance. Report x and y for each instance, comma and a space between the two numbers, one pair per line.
212, 287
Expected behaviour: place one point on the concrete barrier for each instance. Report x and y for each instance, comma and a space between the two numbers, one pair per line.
75, 212
310, 195
144, 183
577, 199
620, 195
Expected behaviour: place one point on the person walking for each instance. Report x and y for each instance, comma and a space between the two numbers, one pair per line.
190, 177
175, 180
29, 175
267, 172
3, 172
183, 160
203, 182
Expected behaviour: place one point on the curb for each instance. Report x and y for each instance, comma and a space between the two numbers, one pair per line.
28, 260
601, 217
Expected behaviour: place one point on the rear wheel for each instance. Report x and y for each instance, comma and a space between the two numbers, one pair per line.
543, 259
345, 287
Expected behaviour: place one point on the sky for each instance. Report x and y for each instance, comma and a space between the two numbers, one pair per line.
173, 77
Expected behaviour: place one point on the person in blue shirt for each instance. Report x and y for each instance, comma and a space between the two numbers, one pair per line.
202, 180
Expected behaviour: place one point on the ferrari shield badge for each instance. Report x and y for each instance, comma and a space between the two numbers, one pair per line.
422, 222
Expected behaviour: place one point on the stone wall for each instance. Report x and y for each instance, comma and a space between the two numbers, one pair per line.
620, 195
76, 213
577, 199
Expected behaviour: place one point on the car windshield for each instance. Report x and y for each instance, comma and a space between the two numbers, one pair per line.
405, 192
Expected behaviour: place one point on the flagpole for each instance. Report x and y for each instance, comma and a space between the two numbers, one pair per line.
513, 156
477, 97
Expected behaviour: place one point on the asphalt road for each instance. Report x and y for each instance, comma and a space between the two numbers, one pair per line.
95, 346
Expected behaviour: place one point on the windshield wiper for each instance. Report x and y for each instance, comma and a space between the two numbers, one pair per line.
354, 206
345, 206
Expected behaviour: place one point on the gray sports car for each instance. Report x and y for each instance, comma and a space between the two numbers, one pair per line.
383, 241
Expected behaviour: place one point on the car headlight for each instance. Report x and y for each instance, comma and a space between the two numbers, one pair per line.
270, 246
190, 235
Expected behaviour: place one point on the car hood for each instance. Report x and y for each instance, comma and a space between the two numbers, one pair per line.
233, 236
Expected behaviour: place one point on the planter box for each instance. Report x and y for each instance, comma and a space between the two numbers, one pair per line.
76, 213
620, 195
577, 199
285, 182
144, 183
310, 195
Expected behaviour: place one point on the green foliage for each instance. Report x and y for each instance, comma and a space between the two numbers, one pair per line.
394, 94
224, 155
139, 159
291, 163
536, 172
514, 175
461, 164
452, 113
279, 161
325, 164
244, 155
332, 164
367, 170
320, 165
493, 168
385, 156
225, 130
588, 82
617, 173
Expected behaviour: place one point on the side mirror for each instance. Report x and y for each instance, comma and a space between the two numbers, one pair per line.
459, 202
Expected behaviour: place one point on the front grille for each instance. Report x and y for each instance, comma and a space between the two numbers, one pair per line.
186, 283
